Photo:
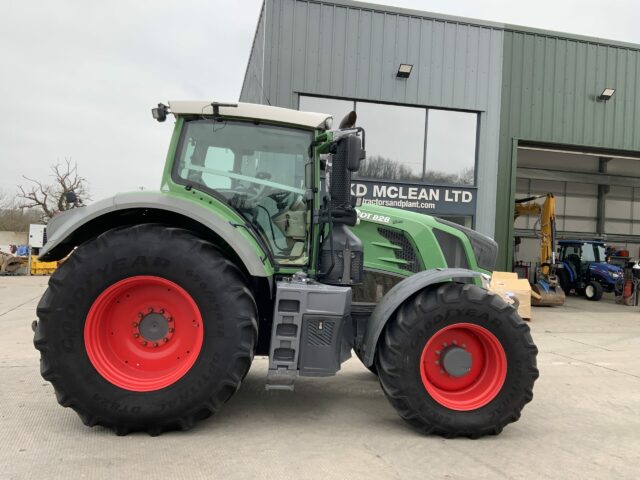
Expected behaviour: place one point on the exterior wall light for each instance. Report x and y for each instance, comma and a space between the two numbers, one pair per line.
606, 94
404, 70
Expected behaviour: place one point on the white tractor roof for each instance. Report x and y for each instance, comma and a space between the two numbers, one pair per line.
253, 110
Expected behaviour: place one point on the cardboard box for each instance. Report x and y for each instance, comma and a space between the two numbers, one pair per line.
508, 285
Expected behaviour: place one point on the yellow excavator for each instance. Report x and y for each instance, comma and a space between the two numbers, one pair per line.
547, 286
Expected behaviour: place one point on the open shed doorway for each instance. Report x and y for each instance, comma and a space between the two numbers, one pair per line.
597, 197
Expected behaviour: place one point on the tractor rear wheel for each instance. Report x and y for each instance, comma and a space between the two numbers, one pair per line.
146, 328
457, 361
593, 291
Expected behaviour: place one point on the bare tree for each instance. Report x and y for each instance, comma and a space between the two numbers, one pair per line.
51, 198
13, 218
439, 177
384, 168
4, 200
467, 176
18, 220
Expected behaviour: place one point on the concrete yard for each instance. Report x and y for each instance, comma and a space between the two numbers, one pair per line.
584, 421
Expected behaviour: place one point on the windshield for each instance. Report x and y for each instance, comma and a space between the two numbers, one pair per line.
599, 253
260, 171
587, 252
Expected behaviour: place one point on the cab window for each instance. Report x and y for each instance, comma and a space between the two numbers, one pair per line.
260, 171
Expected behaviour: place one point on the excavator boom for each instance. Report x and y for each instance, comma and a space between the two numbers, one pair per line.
546, 286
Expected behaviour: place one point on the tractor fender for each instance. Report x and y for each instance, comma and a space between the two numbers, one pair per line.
62, 227
398, 294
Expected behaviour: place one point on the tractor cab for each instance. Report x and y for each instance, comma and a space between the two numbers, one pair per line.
256, 160
578, 255
263, 163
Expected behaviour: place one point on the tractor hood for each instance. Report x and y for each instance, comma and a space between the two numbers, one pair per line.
426, 231
606, 269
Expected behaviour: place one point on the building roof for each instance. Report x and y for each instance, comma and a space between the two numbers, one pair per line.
253, 110
376, 7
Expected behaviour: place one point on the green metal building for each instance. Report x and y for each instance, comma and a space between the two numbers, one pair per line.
464, 116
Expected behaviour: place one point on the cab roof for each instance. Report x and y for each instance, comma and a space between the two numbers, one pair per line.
253, 111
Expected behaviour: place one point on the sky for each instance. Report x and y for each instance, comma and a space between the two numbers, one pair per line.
78, 78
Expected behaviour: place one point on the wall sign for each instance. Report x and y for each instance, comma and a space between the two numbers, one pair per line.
431, 199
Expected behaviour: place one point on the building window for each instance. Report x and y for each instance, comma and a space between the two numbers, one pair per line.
451, 147
396, 146
395, 141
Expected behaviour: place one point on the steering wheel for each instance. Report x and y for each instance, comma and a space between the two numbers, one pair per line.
255, 191
284, 200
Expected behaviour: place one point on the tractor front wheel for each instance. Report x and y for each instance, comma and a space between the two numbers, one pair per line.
146, 328
457, 361
593, 291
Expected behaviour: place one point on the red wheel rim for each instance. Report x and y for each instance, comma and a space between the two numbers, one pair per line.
143, 333
482, 380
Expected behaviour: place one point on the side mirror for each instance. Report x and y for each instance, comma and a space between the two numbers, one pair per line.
354, 152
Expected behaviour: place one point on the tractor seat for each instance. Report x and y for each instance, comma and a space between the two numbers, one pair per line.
574, 263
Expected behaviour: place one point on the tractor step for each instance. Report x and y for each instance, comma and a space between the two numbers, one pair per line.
285, 335
282, 379
307, 338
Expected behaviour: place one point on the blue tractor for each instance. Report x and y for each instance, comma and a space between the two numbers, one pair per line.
582, 267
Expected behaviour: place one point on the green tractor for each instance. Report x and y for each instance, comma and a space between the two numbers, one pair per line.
254, 245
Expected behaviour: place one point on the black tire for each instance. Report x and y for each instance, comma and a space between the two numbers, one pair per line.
618, 288
372, 368
430, 312
217, 287
564, 281
593, 291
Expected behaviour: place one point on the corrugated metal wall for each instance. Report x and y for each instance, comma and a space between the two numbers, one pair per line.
549, 91
353, 50
253, 78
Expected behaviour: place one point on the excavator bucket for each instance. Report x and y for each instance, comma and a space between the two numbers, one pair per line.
545, 295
